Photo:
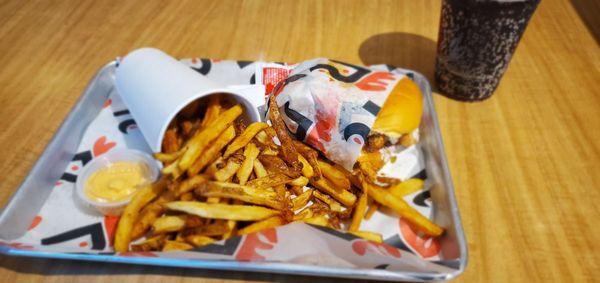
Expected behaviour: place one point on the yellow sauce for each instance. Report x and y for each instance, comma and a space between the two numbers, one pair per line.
116, 182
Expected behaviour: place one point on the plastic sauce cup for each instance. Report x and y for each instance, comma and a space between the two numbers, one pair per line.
105, 160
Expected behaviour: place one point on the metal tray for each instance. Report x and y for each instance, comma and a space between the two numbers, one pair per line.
35, 189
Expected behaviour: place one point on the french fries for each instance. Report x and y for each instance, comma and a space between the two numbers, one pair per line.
212, 152
261, 225
244, 193
202, 138
334, 175
139, 200
222, 178
398, 205
250, 154
222, 211
243, 139
169, 224
311, 156
289, 153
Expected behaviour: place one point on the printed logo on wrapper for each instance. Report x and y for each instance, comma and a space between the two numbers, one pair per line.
332, 105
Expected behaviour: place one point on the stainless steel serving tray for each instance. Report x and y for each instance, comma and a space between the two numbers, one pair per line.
35, 189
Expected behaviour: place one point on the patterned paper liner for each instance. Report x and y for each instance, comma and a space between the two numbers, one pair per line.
65, 225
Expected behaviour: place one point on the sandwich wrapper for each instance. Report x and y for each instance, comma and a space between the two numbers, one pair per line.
65, 225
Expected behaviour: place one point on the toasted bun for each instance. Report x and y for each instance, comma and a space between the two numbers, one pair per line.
402, 110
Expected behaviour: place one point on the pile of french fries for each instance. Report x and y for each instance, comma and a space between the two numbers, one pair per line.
222, 178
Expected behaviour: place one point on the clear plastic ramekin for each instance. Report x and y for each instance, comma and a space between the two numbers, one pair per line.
105, 160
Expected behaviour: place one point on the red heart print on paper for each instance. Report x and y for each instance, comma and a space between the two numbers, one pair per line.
101, 146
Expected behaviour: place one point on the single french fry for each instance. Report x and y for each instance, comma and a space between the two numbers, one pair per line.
310, 155
213, 200
289, 153
212, 152
367, 235
223, 211
270, 222
167, 224
244, 193
345, 197
301, 200
168, 157
176, 246
299, 182
333, 204
359, 212
250, 154
243, 139
334, 175
307, 170
407, 187
372, 208
199, 240
269, 180
319, 220
151, 244
259, 169
274, 164
197, 144
191, 183
232, 166
383, 196
132, 210
213, 109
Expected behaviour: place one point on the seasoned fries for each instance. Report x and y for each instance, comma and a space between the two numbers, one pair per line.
243, 139
202, 138
222, 211
222, 178
334, 175
250, 154
244, 193
289, 153
212, 152
140, 199
383, 196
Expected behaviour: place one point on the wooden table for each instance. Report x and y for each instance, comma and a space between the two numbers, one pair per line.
526, 163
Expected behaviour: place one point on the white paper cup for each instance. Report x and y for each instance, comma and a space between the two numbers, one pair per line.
156, 87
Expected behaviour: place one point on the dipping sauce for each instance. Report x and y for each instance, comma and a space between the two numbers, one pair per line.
116, 182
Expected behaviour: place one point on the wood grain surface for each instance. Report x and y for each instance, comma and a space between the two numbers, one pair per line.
525, 163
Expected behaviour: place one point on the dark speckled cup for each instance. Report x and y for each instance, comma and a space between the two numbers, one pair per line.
477, 39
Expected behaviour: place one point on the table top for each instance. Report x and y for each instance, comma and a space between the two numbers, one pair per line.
525, 163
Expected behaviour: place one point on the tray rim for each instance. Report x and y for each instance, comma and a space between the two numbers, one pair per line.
273, 267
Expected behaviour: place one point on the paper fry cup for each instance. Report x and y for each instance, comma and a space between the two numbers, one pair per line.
156, 87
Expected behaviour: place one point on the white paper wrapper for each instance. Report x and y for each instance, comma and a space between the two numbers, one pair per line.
88, 232
332, 105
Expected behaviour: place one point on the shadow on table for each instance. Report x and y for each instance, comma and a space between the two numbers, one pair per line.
401, 49
589, 12
51, 267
